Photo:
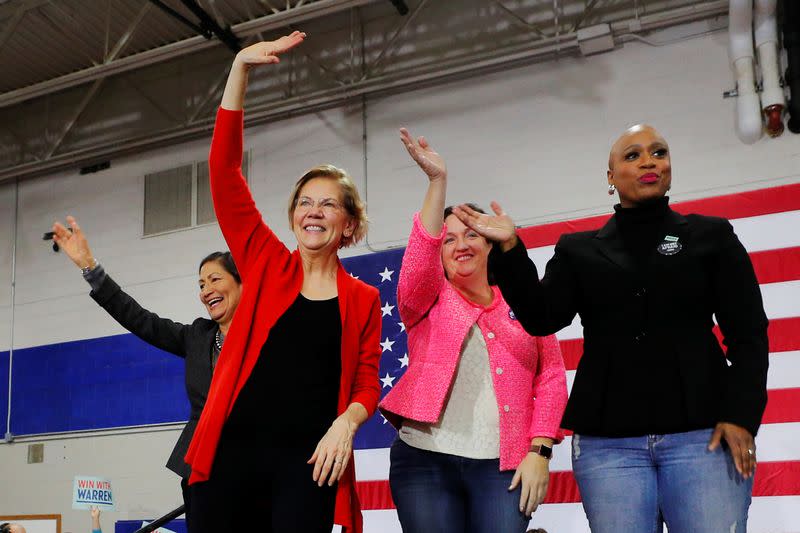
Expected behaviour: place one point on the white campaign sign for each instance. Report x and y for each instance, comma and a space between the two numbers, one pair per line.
88, 491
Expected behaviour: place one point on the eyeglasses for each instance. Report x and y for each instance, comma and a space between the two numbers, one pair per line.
327, 205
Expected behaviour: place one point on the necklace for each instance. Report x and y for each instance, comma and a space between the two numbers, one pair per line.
219, 338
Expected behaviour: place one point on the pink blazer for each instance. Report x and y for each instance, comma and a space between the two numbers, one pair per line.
527, 372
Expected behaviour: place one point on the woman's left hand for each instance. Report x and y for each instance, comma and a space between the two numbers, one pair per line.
332, 455
498, 227
534, 475
741, 444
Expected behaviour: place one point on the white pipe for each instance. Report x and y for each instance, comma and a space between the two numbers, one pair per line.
748, 107
765, 29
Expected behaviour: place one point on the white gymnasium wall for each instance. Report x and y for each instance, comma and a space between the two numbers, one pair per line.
535, 138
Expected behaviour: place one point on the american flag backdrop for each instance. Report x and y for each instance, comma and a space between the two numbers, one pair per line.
767, 222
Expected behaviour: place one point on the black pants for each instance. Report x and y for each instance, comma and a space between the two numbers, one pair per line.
258, 489
186, 500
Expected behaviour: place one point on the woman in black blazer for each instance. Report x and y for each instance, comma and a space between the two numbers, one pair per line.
199, 343
664, 420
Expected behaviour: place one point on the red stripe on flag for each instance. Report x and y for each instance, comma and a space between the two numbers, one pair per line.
775, 478
548, 234
774, 266
779, 478
739, 205
571, 352
374, 495
562, 488
783, 405
746, 204
784, 334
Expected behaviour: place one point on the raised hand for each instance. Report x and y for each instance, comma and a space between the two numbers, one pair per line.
95, 512
267, 52
262, 53
73, 243
428, 160
498, 227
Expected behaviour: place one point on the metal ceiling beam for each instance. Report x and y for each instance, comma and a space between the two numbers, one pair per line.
586, 12
389, 45
75, 116
115, 51
10, 8
408, 79
180, 48
206, 26
400, 6
518, 19
198, 29
12, 25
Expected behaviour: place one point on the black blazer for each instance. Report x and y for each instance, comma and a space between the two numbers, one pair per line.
662, 311
192, 342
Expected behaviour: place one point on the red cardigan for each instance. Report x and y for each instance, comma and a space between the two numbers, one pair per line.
272, 277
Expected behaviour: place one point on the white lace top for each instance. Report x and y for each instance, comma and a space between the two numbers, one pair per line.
470, 421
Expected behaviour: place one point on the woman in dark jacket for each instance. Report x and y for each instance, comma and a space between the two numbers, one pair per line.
664, 420
199, 343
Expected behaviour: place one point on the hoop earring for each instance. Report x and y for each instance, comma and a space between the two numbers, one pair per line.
612, 189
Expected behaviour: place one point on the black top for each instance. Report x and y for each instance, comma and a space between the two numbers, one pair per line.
646, 287
656, 376
292, 393
192, 341
642, 228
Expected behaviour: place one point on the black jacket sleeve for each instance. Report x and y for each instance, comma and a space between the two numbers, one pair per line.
741, 318
159, 332
542, 307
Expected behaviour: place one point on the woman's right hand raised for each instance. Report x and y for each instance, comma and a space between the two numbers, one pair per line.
426, 157
498, 227
73, 243
267, 52
262, 53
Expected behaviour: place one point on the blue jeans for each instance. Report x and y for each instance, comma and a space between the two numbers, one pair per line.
442, 493
636, 484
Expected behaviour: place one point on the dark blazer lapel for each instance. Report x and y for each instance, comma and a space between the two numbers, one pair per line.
207, 370
609, 243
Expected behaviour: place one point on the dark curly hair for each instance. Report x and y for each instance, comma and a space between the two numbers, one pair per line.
226, 260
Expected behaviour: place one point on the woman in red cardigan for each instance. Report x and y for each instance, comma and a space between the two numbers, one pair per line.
299, 370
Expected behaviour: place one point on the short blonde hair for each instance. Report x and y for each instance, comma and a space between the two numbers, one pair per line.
356, 208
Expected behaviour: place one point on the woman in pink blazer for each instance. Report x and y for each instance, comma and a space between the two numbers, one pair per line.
479, 407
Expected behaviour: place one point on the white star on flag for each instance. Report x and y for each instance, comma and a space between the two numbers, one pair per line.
387, 309
386, 275
386, 345
403, 360
388, 380
402, 327
353, 275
